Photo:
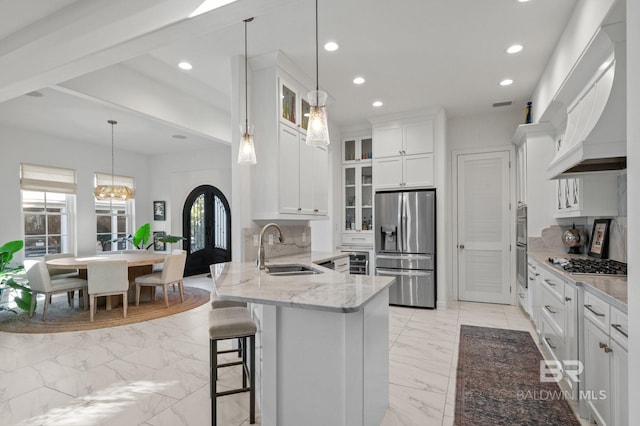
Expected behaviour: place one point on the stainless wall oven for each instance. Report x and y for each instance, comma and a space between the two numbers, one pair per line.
521, 247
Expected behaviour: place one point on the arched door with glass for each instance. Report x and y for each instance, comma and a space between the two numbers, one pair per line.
207, 228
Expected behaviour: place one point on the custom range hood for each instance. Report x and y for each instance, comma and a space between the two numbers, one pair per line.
593, 138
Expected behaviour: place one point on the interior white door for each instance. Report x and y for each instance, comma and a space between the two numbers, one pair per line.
484, 266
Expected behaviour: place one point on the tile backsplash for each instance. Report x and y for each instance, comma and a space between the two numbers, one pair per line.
297, 240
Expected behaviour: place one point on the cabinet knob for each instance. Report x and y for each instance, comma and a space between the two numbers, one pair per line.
400, 152
299, 209
567, 299
315, 210
461, 246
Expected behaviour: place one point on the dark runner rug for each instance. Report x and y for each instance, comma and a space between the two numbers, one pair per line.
61, 318
498, 381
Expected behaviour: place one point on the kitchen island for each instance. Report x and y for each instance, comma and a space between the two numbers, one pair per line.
322, 343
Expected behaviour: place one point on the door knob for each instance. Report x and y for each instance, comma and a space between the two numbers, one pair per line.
461, 246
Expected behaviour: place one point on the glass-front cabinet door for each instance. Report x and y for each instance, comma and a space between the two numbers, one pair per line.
357, 149
289, 103
358, 203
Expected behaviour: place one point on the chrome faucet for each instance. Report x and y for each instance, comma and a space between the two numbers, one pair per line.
261, 242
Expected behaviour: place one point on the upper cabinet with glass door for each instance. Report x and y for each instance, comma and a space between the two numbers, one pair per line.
294, 107
357, 149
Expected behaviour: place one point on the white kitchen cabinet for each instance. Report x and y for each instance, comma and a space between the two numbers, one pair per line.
358, 197
534, 152
596, 373
290, 177
403, 138
590, 195
403, 152
558, 312
302, 175
605, 362
404, 171
355, 150
341, 265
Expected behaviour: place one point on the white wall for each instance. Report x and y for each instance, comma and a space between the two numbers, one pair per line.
474, 134
22, 146
174, 176
633, 200
483, 130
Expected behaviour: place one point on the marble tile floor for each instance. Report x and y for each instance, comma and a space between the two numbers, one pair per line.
156, 373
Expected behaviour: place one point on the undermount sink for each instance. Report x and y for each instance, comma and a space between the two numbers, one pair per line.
291, 269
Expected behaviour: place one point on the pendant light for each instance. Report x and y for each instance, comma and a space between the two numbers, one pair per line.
318, 129
113, 191
246, 151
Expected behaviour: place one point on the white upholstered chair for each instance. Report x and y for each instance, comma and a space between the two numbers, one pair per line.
60, 273
107, 278
40, 283
172, 273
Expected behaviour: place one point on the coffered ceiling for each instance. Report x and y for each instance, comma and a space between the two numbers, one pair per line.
89, 58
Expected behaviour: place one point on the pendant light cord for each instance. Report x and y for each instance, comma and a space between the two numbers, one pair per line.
112, 122
246, 82
317, 78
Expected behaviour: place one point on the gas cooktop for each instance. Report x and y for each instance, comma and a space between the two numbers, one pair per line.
590, 266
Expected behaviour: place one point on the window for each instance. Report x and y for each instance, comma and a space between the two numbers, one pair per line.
114, 218
48, 204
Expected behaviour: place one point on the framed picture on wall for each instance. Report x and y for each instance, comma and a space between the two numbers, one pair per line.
159, 245
600, 239
158, 210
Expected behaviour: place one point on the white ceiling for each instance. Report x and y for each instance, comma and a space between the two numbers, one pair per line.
412, 53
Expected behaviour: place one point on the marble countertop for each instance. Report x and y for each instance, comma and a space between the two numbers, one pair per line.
609, 288
329, 291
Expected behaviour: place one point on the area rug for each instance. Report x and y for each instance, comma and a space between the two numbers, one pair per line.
60, 317
498, 381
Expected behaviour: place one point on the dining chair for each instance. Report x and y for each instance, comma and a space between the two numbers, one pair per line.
40, 282
158, 266
172, 273
107, 278
60, 273
57, 274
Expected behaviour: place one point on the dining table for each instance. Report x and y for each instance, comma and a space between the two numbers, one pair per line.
138, 264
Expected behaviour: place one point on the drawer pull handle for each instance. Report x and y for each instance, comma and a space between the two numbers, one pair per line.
549, 343
521, 295
551, 283
620, 329
596, 313
531, 279
548, 308
567, 299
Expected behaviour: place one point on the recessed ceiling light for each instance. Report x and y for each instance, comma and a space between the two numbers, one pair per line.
515, 48
178, 136
185, 65
331, 46
506, 82
358, 80
377, 104
522, 1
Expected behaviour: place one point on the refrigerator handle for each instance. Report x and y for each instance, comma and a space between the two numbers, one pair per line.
403, 223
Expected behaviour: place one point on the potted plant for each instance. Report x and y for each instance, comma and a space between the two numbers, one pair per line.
142, 238
23, 300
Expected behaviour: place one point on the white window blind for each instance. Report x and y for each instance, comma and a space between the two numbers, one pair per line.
105, 179
35, 177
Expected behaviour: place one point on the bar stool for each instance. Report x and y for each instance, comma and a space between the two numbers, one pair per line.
232, 323
217, 303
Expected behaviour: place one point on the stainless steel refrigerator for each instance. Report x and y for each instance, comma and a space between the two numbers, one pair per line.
405, 233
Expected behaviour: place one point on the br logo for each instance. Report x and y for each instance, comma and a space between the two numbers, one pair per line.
552, 371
